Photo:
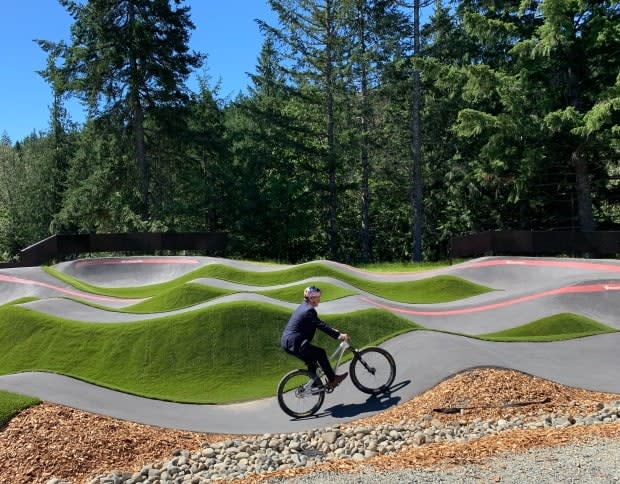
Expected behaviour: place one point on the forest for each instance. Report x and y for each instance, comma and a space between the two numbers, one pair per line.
371, 130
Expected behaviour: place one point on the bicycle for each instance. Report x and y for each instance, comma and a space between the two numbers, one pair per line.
301, 393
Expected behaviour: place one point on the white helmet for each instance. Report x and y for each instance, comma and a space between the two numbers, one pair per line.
311, 291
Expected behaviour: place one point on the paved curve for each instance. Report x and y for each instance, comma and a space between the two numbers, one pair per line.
527, 290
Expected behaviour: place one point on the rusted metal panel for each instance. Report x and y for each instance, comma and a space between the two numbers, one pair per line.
61, 246
534, 243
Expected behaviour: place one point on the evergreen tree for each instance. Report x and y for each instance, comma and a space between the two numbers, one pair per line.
312, 34
451, 200
375, 39
579, 41
272, 165
98, 197
557, 53
206, 186
26, 192
126, 59
493, 123
8, 223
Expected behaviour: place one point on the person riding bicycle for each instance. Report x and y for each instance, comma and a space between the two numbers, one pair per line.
300, 330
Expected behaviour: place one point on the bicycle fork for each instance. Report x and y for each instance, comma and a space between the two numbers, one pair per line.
369, 368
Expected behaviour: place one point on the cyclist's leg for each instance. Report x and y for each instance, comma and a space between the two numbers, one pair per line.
312, 367
312, 355
310, 362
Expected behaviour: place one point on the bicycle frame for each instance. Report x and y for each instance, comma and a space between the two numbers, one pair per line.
372, 371
342, 347
335, 356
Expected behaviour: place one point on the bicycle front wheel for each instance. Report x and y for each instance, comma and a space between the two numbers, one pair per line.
296, 397
373, 370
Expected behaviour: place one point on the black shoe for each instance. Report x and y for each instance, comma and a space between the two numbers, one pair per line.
337, 380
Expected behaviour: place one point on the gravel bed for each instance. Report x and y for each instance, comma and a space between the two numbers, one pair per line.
594, 462
238, 459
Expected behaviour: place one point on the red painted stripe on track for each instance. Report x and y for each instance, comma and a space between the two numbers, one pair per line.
590, 266
103, 262
486, 307
70, 292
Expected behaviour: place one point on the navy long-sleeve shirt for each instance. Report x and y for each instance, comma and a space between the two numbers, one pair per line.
301, 327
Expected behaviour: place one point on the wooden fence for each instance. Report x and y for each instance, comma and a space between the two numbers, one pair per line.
514, 242
535, 243
63, 246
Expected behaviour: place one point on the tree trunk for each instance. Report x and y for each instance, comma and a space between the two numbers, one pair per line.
138, 128
331, 145
584, 192
580, 162
365, 195
417, 212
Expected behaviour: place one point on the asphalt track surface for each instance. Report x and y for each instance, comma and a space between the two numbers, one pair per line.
526, 289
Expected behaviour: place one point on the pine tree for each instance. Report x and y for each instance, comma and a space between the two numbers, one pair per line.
375, 38
561, 55
266, 135
126, 59
579, 42
312, 34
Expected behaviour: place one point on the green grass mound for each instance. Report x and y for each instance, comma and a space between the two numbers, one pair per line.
190, 294
11, 404
435, 289
21, 300
294, 293
177, 297
562, 326
379, 267
218, 354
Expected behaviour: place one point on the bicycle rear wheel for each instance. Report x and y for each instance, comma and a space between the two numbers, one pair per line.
296, 397
373, 370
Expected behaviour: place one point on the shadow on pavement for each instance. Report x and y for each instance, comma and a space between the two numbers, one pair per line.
374, 403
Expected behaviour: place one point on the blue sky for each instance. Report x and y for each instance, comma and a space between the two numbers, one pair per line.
225, 31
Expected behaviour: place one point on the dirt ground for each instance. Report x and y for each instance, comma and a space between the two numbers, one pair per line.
49, 440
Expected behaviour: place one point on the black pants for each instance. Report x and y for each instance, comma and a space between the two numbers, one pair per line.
311, 355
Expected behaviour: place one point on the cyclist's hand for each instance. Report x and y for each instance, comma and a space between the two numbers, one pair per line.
343, 337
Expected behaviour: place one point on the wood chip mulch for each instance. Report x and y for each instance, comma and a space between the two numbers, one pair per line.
49, 440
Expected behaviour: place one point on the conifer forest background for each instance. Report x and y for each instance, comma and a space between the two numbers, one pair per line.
372, 130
